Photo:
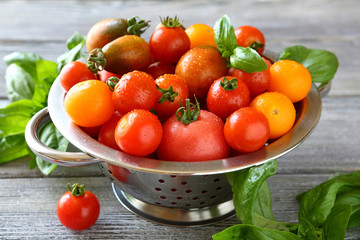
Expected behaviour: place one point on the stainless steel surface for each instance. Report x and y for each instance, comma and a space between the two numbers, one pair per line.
172, 193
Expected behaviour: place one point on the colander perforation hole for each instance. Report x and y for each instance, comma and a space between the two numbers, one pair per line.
161, 181
188, 191
195, 198
218, 188
213, 196
216, 180
179, 198
158, 189
173, 203
174, 190
110, 171
202, 203
183, 183
204, 191
173, 176
162, 197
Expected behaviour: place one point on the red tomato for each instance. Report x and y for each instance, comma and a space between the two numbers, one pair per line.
247, 130
249, 36
169, 101
73, 73
139, 132
200, 67
169, 42
107, 131
120, 173
158, 69
257, 82
92, 131
105, 75
226, 95
79, 211
135, 90
199, 140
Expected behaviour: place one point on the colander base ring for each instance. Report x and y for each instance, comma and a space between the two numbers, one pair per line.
175, 216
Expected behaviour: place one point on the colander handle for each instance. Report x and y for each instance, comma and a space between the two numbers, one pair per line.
69, 159
325, 89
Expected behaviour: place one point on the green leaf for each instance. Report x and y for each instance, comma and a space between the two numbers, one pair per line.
322, 64
15, 116
47, 73
19, 83
52, 138
247, 60
12, 147
74, 40
225, 36
307, 231
336, 222
74, 54
247, 232
25, 60
351, 197
247, 184
316, 204
263, 202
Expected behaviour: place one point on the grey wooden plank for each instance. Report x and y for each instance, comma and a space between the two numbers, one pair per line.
24, 201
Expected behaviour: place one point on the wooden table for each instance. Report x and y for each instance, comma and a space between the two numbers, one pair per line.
28, 199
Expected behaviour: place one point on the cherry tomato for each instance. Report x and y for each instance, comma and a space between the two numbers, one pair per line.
78, 209
138, 132
73, 73
257, 82
226, 95
126, 53
200, 139
135, 90
172, 91
246, 130
249, 36
107, 131
158, 69
92, 131
200, 67
169, 42
89, 103
105, 75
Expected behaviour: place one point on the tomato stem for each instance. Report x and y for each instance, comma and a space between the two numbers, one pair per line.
256, 45
229, 85
137, 26
190, 113
168, 94
111, 82
77, 189
171, 22
96, 60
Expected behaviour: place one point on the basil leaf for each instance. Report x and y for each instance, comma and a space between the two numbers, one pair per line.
263, 202
246, 187
12, 147
74, 54
19, 83
316, 204
15, 116
225, 36
336, 222
246, 231
247, 60
307, 231
47, 73
322, 64
351, 197
25, 60
74, 40
52, 138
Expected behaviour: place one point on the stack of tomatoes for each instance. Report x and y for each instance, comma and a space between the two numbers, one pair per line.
174, 97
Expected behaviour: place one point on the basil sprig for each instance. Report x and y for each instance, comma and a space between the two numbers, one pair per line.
245, 59
325, 212
28, 81
322, 64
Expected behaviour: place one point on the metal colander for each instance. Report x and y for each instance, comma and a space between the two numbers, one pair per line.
173, 193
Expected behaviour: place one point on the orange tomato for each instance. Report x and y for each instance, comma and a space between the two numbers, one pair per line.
290, 78
200, 34
89, 103
278, 109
